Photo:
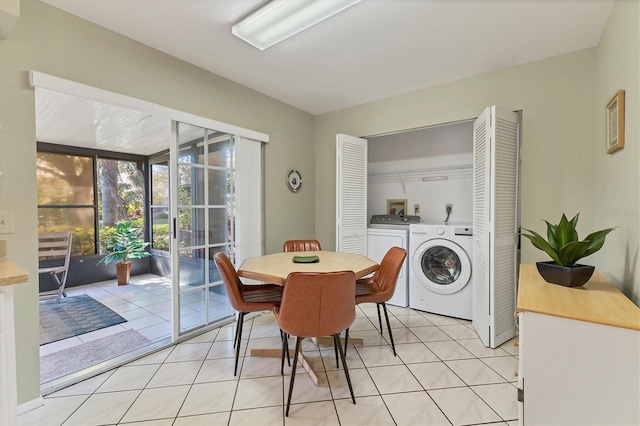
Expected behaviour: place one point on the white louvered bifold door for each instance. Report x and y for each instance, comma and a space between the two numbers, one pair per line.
481, 214
504, 201
496, 134
351, 194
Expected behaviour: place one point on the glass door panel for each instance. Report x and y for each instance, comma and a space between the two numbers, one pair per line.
203, 224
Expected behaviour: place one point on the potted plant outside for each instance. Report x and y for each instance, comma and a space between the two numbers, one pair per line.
122, 245
565, 248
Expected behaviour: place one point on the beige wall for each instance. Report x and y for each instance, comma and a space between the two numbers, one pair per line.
556, 97
564, 164
48, 40
617, 175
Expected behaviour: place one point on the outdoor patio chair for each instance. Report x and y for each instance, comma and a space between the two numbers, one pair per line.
55, 245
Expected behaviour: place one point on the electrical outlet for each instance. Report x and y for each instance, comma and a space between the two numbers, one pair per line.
416, 209
6, 222
448, 208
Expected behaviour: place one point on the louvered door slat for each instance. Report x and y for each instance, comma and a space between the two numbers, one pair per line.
351, 194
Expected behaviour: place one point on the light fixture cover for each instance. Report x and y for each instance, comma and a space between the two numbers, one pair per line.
280, 19
434, 178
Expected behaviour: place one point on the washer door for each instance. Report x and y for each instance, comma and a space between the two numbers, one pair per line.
441, 266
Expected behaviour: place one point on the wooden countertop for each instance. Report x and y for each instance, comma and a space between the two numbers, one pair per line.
598, 301
11, 274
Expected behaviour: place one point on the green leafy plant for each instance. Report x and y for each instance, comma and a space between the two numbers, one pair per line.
562, 243
124, 243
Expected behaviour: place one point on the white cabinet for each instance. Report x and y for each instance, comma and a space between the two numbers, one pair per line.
10, 274
579, 353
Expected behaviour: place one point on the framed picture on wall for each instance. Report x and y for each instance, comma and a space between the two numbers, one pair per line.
615, 123
397, 207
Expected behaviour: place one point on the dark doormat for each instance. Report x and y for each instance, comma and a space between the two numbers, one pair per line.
74, 316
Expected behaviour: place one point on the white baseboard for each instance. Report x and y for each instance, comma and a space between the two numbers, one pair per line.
30, 405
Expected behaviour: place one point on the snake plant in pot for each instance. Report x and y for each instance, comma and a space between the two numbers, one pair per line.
122, 244
565, 248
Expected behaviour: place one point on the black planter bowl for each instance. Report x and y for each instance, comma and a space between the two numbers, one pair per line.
568, 276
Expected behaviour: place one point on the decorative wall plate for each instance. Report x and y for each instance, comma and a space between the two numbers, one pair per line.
294, 180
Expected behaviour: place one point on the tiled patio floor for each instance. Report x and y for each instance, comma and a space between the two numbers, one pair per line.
146, 305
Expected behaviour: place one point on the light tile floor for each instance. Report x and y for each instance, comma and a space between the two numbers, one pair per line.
146, 305
443, 375
132, 302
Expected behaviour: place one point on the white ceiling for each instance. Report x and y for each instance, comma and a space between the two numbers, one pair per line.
373, 50
69, 120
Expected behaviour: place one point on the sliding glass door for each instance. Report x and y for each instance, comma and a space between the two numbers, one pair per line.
203, 212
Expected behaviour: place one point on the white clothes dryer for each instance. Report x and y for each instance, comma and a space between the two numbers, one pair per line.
440, 269
384, 232
379, 241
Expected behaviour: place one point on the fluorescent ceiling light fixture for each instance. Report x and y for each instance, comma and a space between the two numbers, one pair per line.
278, 20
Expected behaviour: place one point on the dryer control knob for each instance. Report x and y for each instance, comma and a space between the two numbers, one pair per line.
440, 231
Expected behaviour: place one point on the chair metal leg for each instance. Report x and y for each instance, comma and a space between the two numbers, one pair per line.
238, 325
336, 339
346, 341
379, 317
284, 348
335, 348
60, 285
386, 315
286, 344
293, 373
240, 321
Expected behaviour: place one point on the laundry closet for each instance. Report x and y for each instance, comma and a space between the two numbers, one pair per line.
420, 188
429, 168
448, 194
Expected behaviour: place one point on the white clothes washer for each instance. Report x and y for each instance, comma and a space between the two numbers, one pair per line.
440, 269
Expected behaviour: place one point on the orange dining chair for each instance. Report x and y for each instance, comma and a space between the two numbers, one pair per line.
316, 305
245, 298
301, 245
379, 288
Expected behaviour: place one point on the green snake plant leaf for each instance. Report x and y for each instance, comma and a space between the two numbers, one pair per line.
540, 243
565, 232
572, 252
596, 240
551, 235
574, 221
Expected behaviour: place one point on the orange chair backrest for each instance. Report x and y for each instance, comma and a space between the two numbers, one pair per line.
387, 275
317, 304
232, 283
302, 245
